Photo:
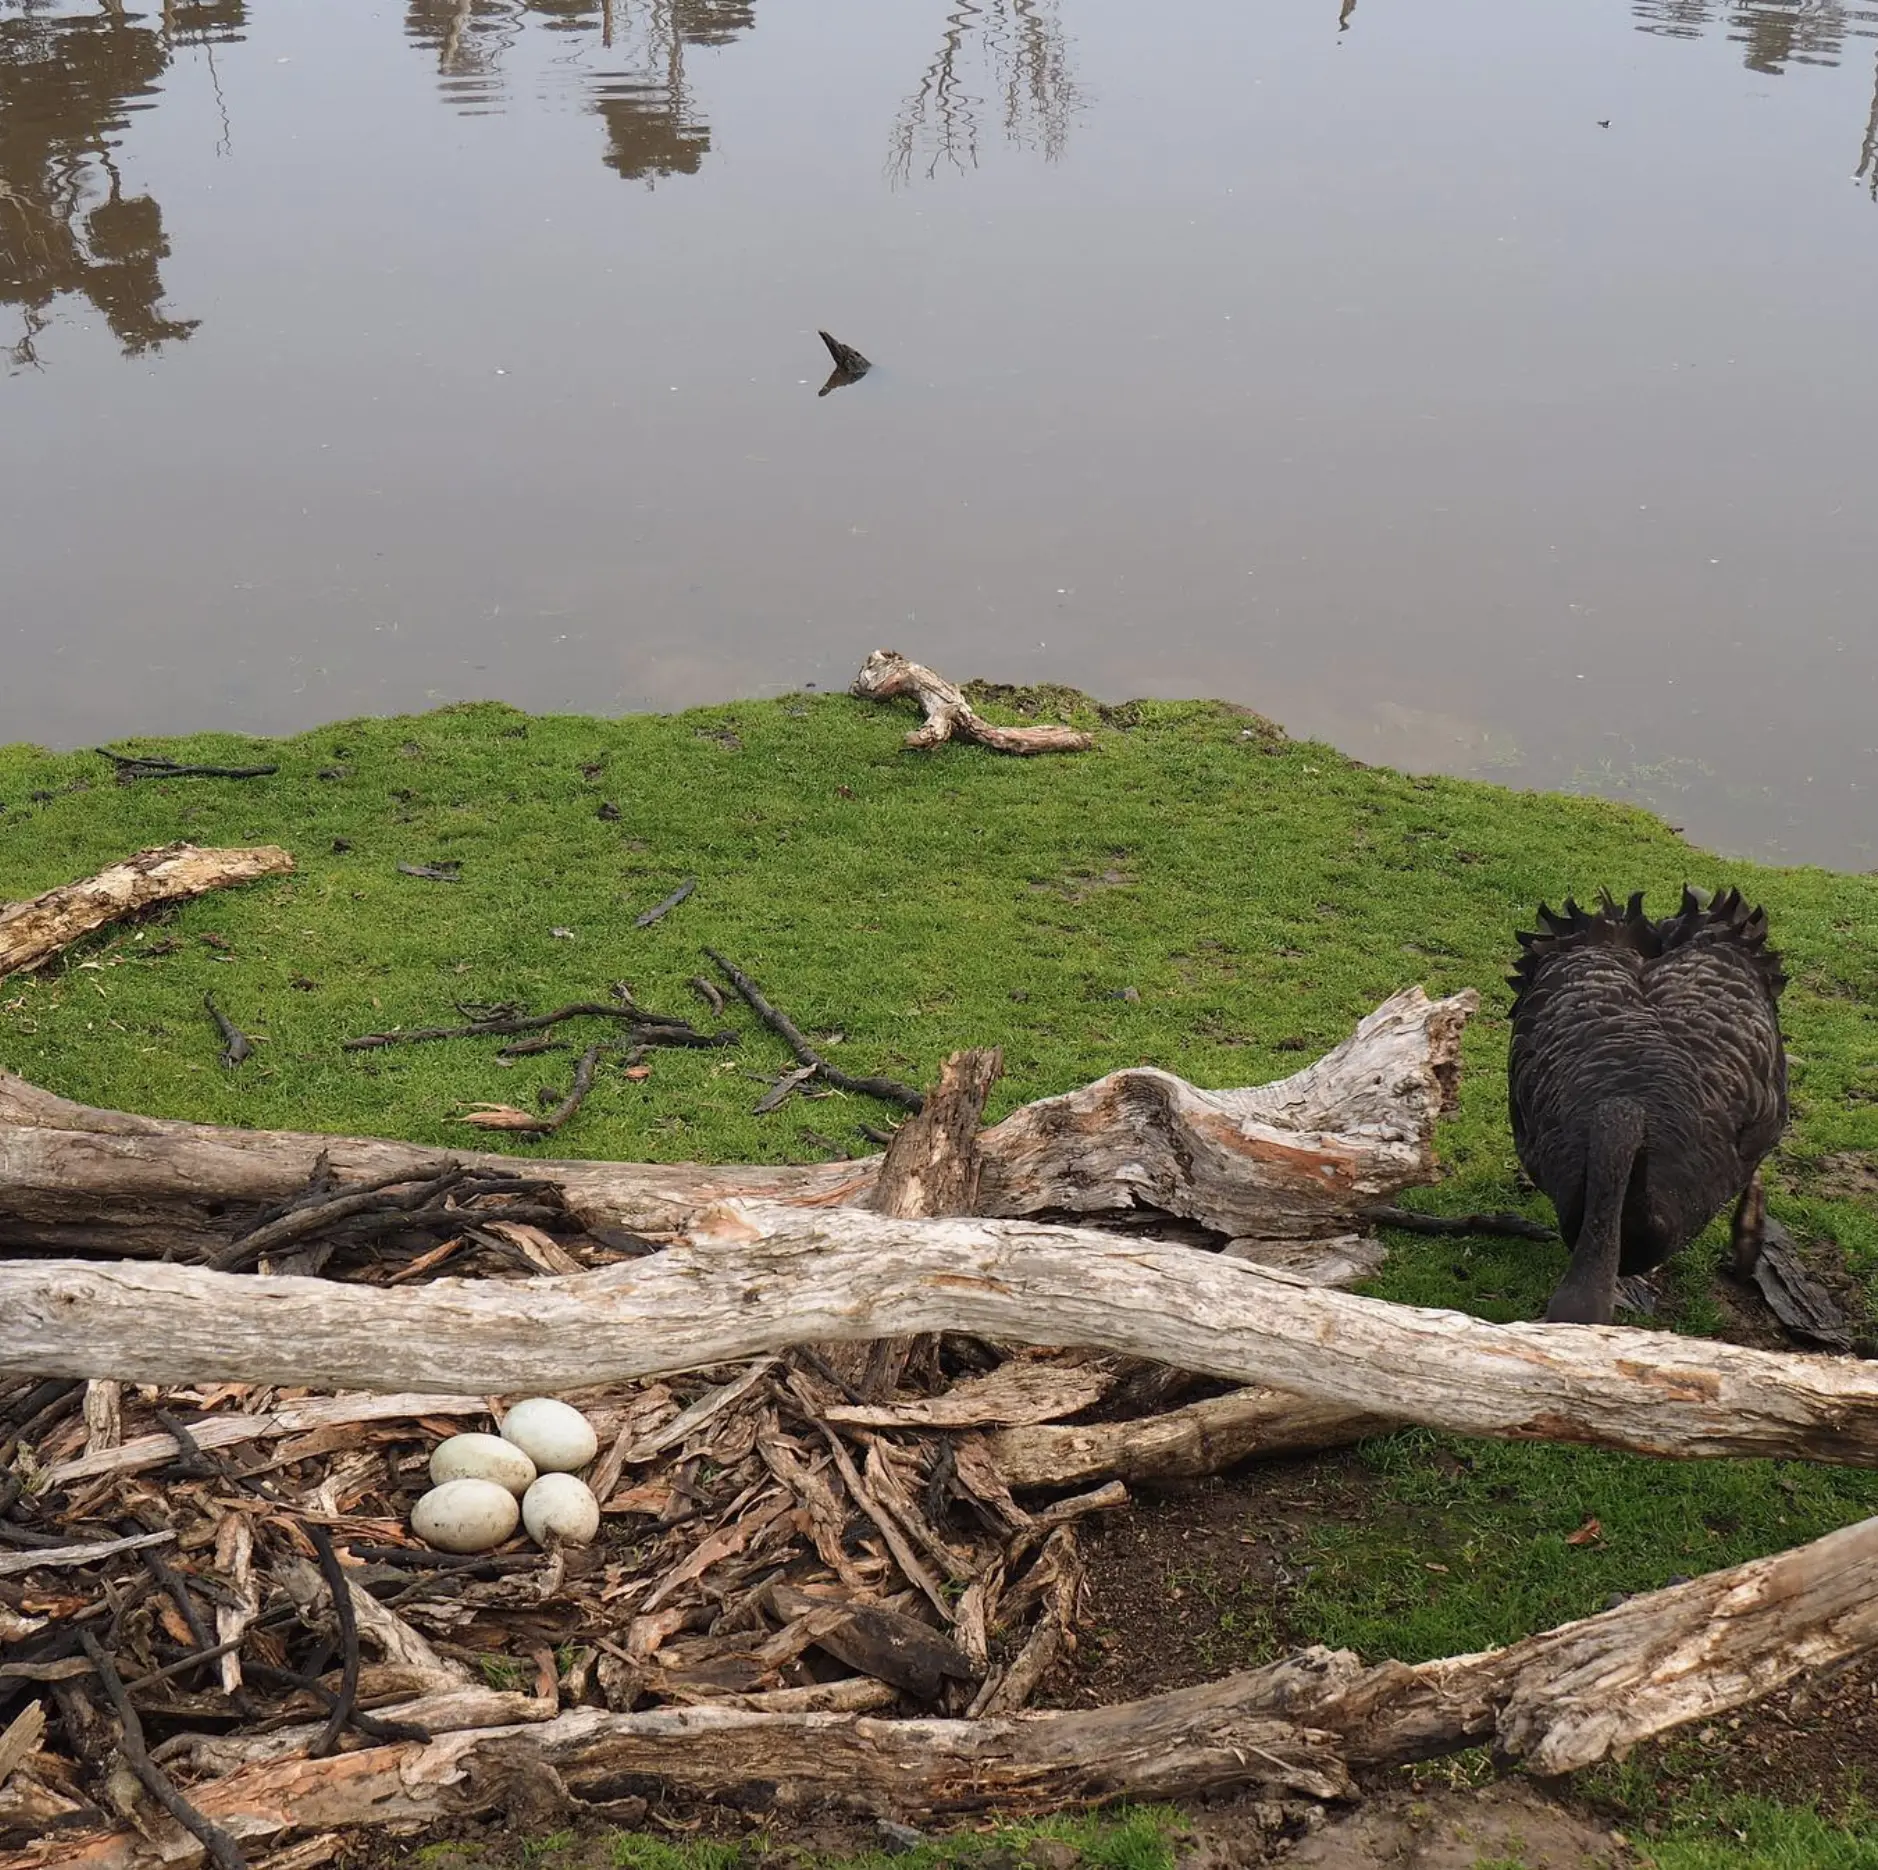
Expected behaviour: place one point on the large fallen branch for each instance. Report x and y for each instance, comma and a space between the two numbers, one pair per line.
1585, 1692
1295, 1161
31, 933
755, 1277
887, 674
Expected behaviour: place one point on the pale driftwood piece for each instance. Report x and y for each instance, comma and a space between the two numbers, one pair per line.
1019, 1391
1290, 1161
443, 1711
887, 674
32, 932
1343, 1262
1585, 1692
853, 1694
378, 1625
58, 1557
22, 1737
104, 1416
932, 1165
289, 1418
1046, 1642
754, 1277
705, 1410
1183, 1444
234, 1563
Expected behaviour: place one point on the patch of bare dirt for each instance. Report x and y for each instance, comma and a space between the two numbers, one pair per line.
1847, 1175
1158, 1576
1509, 1822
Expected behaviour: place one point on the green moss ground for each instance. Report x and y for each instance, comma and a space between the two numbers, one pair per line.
1258, 894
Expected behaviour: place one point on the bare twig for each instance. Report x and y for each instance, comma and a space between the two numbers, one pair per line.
659, 911
134, 766
220, 1846
785, 1029
341, 1594
643, 1028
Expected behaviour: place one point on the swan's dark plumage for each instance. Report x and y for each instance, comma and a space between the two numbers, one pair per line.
1647, 1079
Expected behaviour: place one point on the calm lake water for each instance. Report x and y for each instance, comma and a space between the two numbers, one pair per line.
1489, 387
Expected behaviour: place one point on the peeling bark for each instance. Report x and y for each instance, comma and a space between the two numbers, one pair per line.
32, 932
887, 674
755, 1277
1292, 1161
1585, 1692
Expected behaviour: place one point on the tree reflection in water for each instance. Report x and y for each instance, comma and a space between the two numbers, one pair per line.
1776, 34
1021, 57
68, 225
651, 122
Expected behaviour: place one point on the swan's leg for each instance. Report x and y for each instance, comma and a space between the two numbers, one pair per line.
1750, 1217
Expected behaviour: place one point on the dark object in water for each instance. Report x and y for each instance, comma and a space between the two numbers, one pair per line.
1647, 1081
236, 1045
850, 365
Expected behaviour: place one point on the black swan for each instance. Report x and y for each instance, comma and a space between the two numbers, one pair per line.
1647, 1081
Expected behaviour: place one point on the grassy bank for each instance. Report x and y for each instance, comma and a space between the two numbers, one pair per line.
1257, 894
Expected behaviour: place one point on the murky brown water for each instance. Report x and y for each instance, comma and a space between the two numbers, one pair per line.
1331, 355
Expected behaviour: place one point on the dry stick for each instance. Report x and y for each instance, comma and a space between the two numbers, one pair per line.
659, 911
216, 1841
548, 1123
13, 1563
644, 1028
341, 1594
310, 1217
135, 766
368, 1724
784, 1028
1198, 1439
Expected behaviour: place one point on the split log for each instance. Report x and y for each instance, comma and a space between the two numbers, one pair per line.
754, 1277
931, 1168
31, 933
1585, 1692
1184, 1444
1291, 1161
887, 674
304, 1415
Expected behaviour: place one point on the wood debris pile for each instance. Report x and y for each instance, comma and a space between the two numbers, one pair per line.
770, 1541
815, 1578
201, 1582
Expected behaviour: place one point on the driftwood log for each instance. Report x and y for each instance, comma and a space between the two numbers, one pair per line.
1291, 1163
1585, 1692
887, 674
32, 932
1188, 1443
751, 1277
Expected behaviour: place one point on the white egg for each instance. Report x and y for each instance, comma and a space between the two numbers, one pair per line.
482, 1457
553, 1436
465, 1516
561, 1507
